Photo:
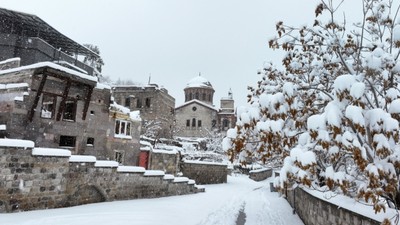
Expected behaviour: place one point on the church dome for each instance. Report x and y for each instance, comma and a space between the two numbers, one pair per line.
198, 82
199, 88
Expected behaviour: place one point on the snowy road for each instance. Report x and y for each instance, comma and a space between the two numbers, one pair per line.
220, 204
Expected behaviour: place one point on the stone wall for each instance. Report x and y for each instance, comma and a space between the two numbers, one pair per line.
166, 161
261, 174
30, 180
315, 211
204, 172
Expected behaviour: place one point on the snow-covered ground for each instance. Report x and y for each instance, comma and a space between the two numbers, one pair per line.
219, 205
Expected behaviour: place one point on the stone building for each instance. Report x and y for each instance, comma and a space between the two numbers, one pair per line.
156, 107
198, 117
50, 97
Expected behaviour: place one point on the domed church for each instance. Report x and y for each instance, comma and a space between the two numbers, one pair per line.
198, 117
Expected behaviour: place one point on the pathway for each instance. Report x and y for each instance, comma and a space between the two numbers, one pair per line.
240, 201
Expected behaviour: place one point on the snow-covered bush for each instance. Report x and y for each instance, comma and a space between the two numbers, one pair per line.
331, 116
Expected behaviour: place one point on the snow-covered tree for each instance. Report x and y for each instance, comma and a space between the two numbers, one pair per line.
331, 115
94, 61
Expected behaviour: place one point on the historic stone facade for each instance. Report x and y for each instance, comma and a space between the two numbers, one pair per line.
198, 117
156, 107
61, 108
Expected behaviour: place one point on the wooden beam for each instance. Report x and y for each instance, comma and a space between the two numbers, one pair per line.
87, 102
37, 97
64, 99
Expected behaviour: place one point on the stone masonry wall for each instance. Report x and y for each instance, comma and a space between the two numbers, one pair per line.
261, 174
30, 182
167, 162
205, 173
315, 211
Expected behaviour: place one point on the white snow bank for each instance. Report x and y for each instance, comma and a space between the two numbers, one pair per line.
168, 177
82, 158
17, 143
181, 180
151, 173
191, 181
135, 115
106, 163
51, 152
260, 170
206, 163
172, 152
131, 169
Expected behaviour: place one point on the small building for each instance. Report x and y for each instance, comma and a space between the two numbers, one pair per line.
57, 107
198, 117
156, 107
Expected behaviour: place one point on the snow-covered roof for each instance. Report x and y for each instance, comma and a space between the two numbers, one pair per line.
13, 85
199, 81
53, 66
133, 115
198, 102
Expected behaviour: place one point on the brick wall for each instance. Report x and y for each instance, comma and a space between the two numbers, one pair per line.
30, 182
205, 173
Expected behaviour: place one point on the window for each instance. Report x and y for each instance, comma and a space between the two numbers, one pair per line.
127, 102
203, 97
199, 123
225, 123
213, 123
119, 156
91, 112
67, 141
190, 96
90, 142
138, 103
194, 108
193, 122
196, 95
148, 102
209, 97
188, 123
69, 110
48, 106
122, 127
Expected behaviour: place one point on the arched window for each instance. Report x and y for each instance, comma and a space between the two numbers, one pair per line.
196, 95
203, 97
190, 96
209, 98
193, 122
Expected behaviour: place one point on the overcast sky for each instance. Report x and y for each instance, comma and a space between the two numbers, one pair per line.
173, 40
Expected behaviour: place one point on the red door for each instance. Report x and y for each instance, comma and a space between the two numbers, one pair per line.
144, 159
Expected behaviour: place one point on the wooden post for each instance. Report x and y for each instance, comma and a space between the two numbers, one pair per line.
64, 99
37, 97
87, 102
